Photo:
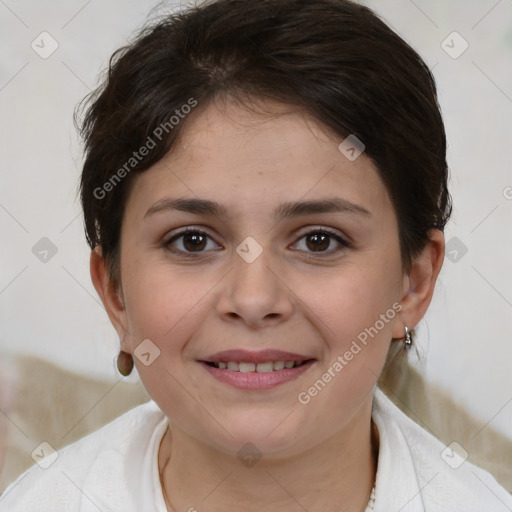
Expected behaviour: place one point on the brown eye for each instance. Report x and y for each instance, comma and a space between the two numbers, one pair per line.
194, 241
189, 241
319, 241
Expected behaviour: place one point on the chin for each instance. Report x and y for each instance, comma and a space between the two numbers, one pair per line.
269, 436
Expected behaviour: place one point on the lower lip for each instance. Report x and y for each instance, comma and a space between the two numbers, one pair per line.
257, 380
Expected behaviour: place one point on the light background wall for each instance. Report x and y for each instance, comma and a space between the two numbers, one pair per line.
51, 309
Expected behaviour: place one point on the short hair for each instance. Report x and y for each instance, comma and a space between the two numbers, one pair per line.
335, 60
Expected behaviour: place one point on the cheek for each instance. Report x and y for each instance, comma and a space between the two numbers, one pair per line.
165, 305
162, 301
354, 315
352, 299
354, 310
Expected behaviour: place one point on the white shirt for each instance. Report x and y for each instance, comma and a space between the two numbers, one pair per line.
115, 469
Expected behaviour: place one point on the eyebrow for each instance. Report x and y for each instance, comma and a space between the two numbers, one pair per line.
286, 210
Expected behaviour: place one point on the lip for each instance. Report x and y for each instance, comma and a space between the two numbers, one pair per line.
256, 380
261, 356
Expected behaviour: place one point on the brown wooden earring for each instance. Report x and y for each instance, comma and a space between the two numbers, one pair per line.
124, 363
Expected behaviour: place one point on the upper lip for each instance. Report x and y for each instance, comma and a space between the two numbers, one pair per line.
261, 356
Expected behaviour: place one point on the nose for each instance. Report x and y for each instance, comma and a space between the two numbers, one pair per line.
255, 294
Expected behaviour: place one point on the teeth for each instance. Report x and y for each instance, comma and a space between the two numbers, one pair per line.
266, 367
246, 367
278, 365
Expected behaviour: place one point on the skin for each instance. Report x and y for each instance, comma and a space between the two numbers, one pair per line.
293, 297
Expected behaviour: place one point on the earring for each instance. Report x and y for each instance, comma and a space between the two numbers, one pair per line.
124, 363
408, 337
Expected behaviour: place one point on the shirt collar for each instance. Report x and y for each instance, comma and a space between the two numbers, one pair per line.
396, 486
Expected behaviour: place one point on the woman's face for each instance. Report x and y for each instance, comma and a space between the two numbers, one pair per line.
263, 273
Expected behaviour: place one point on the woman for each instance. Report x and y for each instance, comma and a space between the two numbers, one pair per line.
265, 193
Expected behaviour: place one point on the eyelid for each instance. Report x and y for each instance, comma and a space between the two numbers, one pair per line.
187, 229
324, 229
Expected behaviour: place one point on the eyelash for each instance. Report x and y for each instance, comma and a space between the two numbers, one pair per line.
180, 234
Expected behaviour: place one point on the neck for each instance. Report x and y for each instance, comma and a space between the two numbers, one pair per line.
338, 474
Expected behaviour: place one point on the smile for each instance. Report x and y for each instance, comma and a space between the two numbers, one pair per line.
247, 367
256, 376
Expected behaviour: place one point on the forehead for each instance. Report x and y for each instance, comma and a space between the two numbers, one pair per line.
247, 159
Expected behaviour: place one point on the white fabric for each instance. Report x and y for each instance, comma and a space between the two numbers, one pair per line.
115, 469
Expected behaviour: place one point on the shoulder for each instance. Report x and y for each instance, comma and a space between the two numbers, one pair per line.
440, 478
79, 476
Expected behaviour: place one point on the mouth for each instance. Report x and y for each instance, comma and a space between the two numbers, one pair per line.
256, 370
249, 367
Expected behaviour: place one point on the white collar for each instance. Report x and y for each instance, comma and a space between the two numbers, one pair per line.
411, 474
396, 486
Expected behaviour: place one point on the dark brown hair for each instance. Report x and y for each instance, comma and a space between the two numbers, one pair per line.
332, 59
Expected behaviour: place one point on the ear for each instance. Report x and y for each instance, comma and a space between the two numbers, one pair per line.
111, 297
419, 283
